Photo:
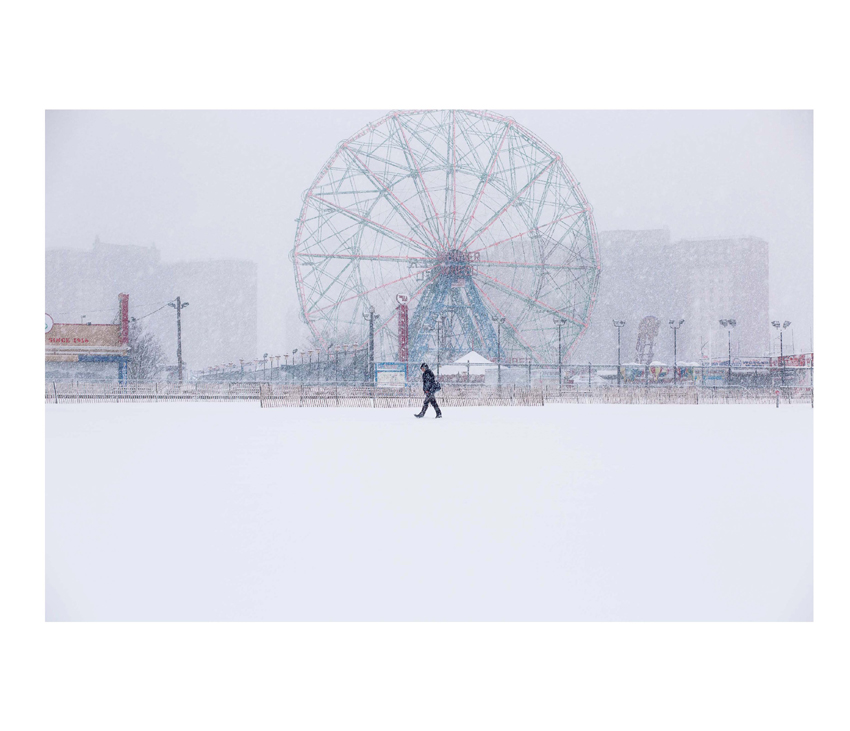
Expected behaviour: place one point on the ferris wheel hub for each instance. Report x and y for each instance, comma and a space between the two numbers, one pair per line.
458, 263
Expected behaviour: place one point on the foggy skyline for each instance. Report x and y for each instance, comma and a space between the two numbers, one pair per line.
202, 185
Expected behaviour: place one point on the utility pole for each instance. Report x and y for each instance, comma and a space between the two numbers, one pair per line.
178, 306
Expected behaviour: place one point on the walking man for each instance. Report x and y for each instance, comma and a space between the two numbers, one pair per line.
429, 386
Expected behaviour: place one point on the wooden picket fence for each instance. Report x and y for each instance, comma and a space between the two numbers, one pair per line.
274, 395
80, 392
271, 395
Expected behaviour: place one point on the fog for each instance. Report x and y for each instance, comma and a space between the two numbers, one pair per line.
207, 185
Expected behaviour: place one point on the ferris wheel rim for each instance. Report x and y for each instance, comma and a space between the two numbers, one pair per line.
425, 237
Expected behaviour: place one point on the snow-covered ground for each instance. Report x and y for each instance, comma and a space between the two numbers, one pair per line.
231, 512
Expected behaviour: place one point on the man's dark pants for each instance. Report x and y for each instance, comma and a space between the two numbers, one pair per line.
429, 399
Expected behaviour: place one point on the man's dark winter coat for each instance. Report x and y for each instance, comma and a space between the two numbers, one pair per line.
429, 385
429, 382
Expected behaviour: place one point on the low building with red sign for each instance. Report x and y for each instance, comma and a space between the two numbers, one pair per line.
87, 351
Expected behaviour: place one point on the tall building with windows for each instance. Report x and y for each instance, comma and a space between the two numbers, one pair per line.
219, 326
645, 273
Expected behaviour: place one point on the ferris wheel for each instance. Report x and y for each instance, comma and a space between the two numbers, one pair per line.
465, 216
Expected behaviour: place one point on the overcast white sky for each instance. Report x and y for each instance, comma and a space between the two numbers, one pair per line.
228, 184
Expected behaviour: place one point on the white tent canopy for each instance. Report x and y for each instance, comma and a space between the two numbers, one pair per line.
476, 365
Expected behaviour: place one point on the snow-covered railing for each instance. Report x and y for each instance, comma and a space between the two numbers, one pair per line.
452, 394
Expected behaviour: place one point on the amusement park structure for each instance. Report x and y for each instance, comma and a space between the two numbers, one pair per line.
457, 231
647, 333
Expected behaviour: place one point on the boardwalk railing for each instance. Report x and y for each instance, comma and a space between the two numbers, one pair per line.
271, 395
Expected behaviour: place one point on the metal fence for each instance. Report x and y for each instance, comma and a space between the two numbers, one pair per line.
271, 394
352, 368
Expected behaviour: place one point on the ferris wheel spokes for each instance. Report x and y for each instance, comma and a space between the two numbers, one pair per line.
419, 225
507, 321
526, 298
479, 192
505, 207
412, 158
391, 233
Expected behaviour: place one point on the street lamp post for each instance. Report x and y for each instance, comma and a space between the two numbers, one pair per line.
439, 322
441, 327
784, 325
427, 327
499, 321
179, 306
676, 324
371, 316
619, 324
560, 322
729, 324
